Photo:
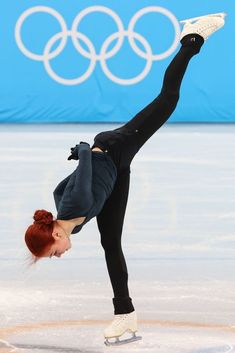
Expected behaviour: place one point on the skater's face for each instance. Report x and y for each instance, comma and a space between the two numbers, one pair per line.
62, 243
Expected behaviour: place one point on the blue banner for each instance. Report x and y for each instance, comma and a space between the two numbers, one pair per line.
73, 61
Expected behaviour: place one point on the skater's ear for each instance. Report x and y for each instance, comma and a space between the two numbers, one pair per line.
56, 235
56, 232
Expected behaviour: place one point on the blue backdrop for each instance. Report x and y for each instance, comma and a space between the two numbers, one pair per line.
71, 61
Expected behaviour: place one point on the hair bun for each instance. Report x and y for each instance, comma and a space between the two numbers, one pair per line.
43, 217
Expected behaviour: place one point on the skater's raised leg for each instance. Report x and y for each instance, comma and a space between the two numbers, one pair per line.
152, 117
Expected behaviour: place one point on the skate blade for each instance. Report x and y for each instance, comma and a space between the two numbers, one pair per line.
119, 342
190, 20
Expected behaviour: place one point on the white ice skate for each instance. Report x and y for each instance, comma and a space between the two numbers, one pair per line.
119, 326
204, 25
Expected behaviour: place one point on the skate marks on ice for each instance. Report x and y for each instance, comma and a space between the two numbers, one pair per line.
86, 336
40, 348
222, 349
6, 347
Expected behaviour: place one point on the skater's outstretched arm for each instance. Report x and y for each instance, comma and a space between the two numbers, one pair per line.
75, 191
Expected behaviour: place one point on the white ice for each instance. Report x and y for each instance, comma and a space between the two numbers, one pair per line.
178, 239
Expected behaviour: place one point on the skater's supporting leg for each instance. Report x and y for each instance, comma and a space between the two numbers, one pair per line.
110, 224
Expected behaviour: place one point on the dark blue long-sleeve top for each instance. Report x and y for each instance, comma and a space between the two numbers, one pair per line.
84, 192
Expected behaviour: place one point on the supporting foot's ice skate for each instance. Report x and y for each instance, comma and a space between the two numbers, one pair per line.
204, 25
121, 324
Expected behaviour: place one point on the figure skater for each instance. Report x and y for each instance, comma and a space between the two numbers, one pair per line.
99, 186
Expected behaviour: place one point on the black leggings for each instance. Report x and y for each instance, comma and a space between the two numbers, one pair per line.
122, 144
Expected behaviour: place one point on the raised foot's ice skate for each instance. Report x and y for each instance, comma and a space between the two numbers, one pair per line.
204, 25
191, 20
119, 326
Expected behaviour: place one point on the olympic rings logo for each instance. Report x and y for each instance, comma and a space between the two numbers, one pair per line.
104, 53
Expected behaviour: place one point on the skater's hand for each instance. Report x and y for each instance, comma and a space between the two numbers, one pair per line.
76, 151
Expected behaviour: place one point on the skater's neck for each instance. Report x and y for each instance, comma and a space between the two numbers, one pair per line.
67, 226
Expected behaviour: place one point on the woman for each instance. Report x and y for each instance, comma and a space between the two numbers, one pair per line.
100, 184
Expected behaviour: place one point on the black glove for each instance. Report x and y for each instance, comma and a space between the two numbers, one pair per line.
75, 151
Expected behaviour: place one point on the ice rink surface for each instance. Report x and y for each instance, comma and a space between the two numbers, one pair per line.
178, 239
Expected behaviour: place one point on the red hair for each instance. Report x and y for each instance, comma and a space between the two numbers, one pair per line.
38, 236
